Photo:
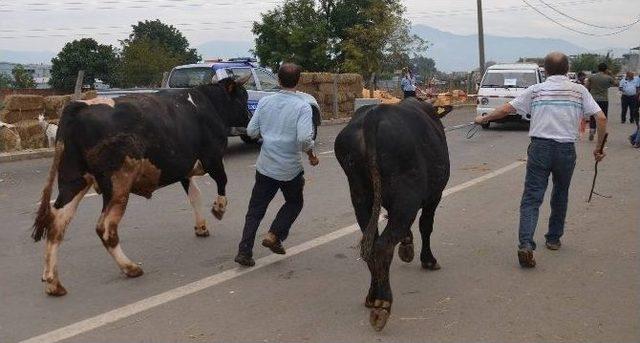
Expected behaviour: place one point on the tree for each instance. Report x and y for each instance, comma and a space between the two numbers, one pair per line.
143, 63
5, 81
98, 62
294, 32
165, 36
590, 62
22, 78
424, 66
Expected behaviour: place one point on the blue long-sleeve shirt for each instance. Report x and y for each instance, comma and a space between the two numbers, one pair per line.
284, 120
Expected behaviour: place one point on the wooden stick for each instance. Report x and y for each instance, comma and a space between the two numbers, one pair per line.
595, 175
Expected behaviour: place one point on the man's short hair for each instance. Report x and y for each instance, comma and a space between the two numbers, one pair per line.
603, 67
556, 63
289, 75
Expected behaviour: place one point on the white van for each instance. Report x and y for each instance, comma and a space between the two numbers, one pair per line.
502, 83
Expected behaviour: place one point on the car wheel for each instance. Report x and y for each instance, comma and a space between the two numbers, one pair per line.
249, 140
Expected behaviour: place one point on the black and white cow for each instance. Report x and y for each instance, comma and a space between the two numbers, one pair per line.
136, 144
396, 157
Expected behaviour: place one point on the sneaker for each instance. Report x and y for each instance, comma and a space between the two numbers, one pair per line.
553, 245
273, 243
245, 260
525, 257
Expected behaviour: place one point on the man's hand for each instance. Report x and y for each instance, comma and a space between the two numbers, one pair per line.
480, 120
313, 159
599, 156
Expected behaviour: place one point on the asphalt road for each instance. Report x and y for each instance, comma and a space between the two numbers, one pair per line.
587, 291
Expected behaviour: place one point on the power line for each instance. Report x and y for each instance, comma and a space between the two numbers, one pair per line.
576, 30
586, 23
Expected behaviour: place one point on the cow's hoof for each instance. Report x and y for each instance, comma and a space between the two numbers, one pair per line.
55, 289
368, 302
431, 265
133, 271
380, 314
219, 207
202, 231
405, 252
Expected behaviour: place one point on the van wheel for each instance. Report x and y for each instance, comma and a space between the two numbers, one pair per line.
485, 126
249, 140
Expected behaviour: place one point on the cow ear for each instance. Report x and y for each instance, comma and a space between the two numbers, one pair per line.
230, 87
442, 111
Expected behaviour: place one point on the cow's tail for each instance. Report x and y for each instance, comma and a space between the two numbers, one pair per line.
44, 218
370, 132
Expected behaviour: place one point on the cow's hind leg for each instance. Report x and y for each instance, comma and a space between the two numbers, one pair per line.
396, 230
429, 262
115, 199
406, 249
62, 211
215, 167
193, 192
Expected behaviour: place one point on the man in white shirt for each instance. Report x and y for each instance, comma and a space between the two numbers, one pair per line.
284, 120
556, 106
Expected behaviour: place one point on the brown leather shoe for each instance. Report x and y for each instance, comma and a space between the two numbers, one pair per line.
273, 243
553, 245
525, 257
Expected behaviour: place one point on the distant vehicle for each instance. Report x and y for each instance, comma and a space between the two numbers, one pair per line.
504, 82
261, 83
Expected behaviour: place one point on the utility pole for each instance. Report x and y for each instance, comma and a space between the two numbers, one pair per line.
481, 38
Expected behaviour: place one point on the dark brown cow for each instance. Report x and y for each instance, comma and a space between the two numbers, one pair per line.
396, 157
136, 144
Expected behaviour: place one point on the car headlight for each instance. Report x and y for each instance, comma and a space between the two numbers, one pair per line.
484, 101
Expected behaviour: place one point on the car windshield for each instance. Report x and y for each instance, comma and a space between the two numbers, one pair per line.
242, 72
509, 79
268, 82
190, 77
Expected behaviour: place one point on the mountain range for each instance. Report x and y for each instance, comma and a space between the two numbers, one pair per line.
452, 52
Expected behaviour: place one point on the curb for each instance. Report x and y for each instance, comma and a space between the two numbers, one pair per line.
26, 155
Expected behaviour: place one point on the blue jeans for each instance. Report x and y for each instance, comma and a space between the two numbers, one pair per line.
546, 157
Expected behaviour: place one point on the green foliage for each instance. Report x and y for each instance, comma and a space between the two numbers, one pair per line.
151, 49
424, 66
22, 78
294, 32
165, 36
5, 81
98, 62
589, 62
143, 63
365, 36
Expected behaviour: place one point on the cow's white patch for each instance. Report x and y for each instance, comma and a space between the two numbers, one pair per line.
99, 101
190, 99
121, 259
196, 202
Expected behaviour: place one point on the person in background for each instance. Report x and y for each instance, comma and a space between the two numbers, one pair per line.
629, 87
408, 83
556, 106
598, 84
284, 120
581, 78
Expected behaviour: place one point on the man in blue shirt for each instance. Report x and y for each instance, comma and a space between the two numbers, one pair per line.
408, 83
629, 88
284, 120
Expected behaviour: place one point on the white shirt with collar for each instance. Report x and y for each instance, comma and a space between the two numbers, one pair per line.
556, 106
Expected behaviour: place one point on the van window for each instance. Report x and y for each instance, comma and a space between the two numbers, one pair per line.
190, 77
241, 72
507, 79
267, 81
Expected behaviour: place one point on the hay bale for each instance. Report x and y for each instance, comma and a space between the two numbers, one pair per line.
326, 88
31, 134
9, 140
53, 105
306, 78
12, 117
24, 102
323, 78
88, 95
349, 78
346, 106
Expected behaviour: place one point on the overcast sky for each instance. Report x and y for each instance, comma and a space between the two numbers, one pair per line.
47, 25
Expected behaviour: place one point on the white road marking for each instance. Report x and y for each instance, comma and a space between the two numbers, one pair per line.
216, 279
88, 195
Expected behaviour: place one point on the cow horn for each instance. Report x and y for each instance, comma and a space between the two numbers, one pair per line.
241, 81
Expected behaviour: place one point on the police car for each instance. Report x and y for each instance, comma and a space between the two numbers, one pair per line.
261, 83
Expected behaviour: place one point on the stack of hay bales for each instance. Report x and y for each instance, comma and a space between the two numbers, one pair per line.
9, 139
54, 104
22, 111
321, 87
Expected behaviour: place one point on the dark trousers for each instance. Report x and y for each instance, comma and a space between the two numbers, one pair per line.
604, 106
263, 192
546, 157
629, 102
